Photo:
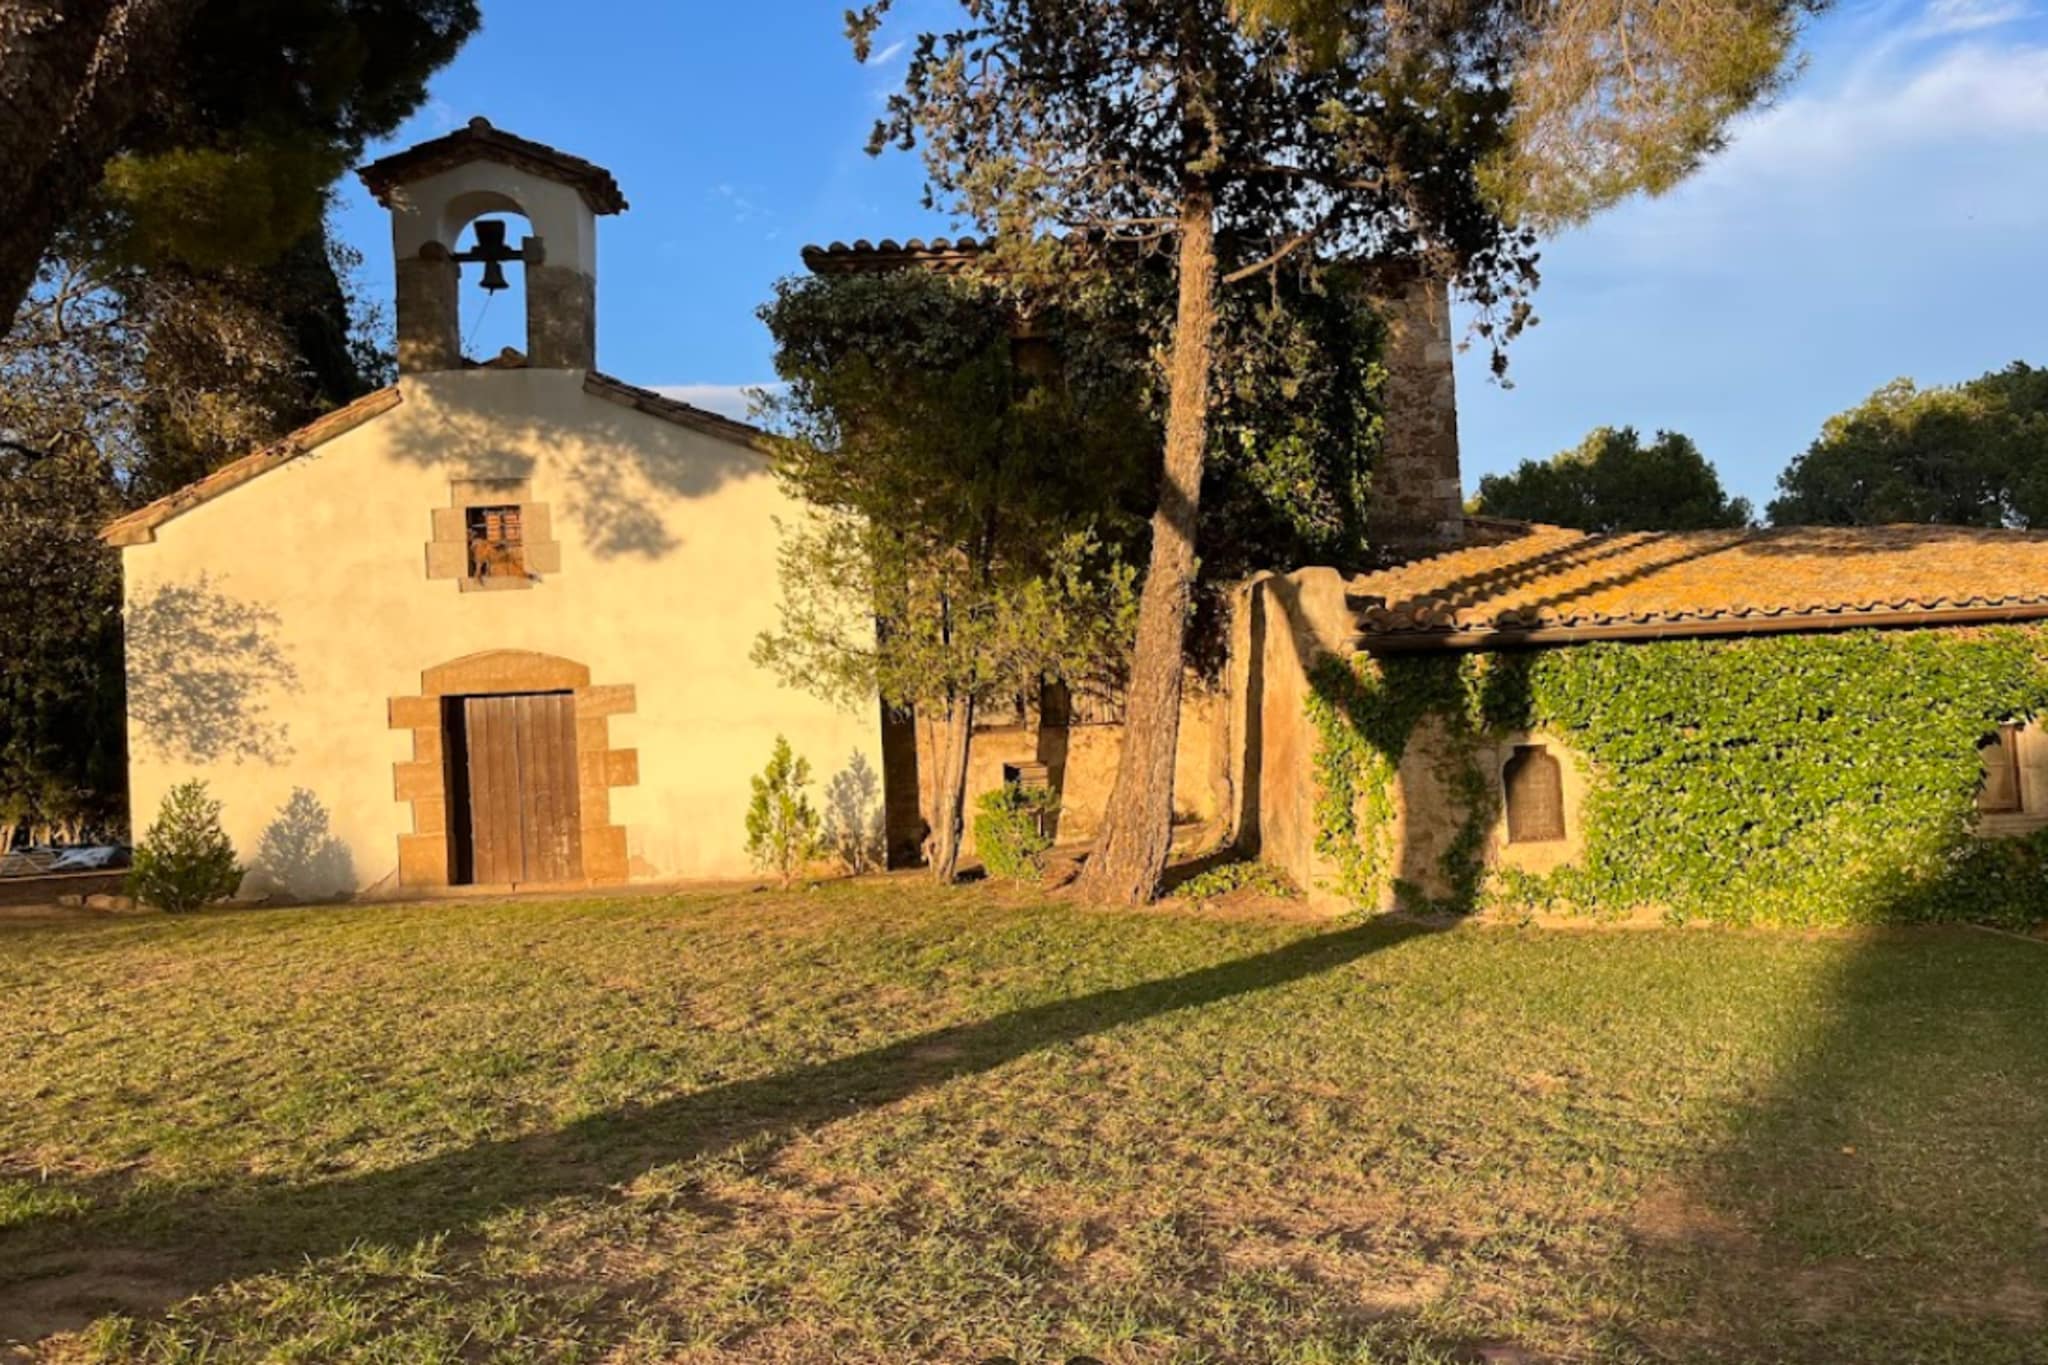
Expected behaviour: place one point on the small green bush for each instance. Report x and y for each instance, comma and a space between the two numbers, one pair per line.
1246, 875
1010, 827
783, 829
185, 861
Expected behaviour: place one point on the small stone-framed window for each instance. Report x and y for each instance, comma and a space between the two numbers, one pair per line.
496, 548
491, 536
1534, 782
2000, 792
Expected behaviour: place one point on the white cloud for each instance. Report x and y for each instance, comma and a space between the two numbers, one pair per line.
1967, 16
889, 53
1886, 218
1972, 91
727, 400
1901, 131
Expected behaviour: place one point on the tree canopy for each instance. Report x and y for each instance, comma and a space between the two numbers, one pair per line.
1971, 454
1080, 131
209, 130
1605, 98
970, 489
1611, 481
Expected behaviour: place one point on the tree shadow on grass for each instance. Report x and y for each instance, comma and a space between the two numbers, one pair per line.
1885, 1195
225, 1232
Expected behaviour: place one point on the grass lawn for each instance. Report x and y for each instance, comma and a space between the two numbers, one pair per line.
877, 1123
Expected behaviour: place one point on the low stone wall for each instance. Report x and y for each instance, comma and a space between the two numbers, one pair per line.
1081, 766
1280, 625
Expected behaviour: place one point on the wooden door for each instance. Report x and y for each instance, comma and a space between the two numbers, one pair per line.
524, 819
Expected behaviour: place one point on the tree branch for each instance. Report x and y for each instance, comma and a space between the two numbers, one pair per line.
1287, 248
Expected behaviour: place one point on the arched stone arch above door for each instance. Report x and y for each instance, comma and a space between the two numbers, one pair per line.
426, 856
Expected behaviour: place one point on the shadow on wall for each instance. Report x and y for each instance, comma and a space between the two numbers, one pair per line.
1297, 623
611, 469
202, 666
298, 858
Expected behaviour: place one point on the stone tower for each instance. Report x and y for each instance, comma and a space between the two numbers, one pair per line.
1417, 504
438, 188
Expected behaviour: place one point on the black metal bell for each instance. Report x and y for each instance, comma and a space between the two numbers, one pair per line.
491, 252
490, 247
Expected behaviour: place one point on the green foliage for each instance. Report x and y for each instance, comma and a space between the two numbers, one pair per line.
783, 831
1607, 98
854, 828
1825, 779
1010, 825
1612, 482
266, 105
61, 714
1294, 426
1974, 454
1299, 153
1364, 717
955, 550
1247, 874
186, 860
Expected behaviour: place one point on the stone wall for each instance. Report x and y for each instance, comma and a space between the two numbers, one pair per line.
1417, 504
1280, 625
1081, 766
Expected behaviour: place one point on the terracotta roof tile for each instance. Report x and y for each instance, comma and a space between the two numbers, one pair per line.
865, 257
139, 527
1547, 583
675, 410
479, 141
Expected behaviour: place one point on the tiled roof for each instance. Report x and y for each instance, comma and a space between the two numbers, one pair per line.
674, 410
865, 257
1552, 585
139, 527
479, 141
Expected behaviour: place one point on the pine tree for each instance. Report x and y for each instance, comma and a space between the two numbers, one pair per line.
782, 828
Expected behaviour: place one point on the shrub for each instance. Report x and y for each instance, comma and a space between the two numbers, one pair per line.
1010, 830
853, 816
1246, 875
782, 828
185, 860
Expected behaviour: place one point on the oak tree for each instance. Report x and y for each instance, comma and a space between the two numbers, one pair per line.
962, 496
1972, 454
1611, 481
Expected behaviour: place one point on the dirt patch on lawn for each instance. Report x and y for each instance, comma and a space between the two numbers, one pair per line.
1671, 1217
68, 1294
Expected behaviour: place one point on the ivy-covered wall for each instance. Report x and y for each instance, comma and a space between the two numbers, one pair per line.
1791, 779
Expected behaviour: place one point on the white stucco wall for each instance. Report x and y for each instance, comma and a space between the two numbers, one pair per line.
270, 628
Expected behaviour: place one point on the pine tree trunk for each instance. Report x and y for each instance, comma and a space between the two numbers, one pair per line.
949, 814
1137, 827
73, 74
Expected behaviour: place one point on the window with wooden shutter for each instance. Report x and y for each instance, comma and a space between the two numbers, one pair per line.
1535, 792
497, 545
2000, 794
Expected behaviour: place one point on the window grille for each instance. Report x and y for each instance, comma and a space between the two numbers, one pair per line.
497, 547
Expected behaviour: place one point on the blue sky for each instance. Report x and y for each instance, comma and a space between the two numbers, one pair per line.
1888, 217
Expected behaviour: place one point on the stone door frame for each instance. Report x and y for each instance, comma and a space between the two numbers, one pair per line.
422, 780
